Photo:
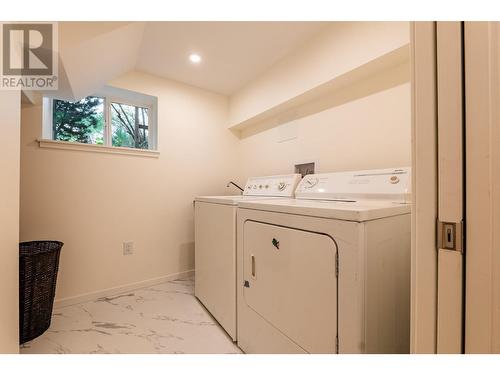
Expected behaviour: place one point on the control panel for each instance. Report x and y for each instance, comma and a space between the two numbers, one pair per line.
272, 186
393, 184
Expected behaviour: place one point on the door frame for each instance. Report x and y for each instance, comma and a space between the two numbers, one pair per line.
423, 315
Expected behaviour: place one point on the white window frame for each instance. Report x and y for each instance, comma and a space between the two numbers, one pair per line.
108, 131
109, 95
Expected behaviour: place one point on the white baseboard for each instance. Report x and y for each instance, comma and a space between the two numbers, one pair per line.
68, 301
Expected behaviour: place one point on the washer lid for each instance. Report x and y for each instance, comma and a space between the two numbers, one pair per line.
351, 210
230, 199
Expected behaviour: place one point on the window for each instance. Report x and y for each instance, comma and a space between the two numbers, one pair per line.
81, 121
112, 118
130, 126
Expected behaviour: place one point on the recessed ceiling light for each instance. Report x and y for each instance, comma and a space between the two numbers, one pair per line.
195, 58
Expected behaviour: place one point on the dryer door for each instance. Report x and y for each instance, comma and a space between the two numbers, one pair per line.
292, 283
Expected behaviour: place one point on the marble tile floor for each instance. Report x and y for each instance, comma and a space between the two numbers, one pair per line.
164, 318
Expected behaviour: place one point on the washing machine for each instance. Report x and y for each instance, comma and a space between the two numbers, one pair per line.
328, 271
215, 244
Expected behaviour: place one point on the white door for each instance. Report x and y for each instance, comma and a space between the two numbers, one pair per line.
482, 76
290, 281
438, 186
467, 109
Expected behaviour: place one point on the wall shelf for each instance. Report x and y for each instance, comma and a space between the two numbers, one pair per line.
384, 72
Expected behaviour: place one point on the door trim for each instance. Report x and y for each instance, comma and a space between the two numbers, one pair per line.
423, 330
450, 73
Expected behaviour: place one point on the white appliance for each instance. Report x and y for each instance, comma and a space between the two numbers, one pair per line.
215, 244
329, 271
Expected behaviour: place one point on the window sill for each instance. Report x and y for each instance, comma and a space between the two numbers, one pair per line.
73, 146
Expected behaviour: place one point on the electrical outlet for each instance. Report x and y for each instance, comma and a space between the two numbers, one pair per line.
128, 248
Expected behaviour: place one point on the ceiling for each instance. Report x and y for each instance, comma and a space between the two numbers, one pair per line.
233, 53
91, 54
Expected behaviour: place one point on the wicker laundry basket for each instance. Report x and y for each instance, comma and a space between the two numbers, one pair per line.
38, 265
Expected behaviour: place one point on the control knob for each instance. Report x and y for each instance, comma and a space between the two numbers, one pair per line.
310, 183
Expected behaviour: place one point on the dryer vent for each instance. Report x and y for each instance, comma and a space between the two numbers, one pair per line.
304, 168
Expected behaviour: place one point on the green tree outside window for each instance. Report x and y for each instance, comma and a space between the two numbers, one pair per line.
81, 121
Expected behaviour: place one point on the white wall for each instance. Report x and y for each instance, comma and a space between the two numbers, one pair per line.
83, 66
10, 103
337, 49
368, 123
371, 132
93, 202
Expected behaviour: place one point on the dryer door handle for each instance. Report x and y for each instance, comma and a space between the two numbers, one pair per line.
252, 257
